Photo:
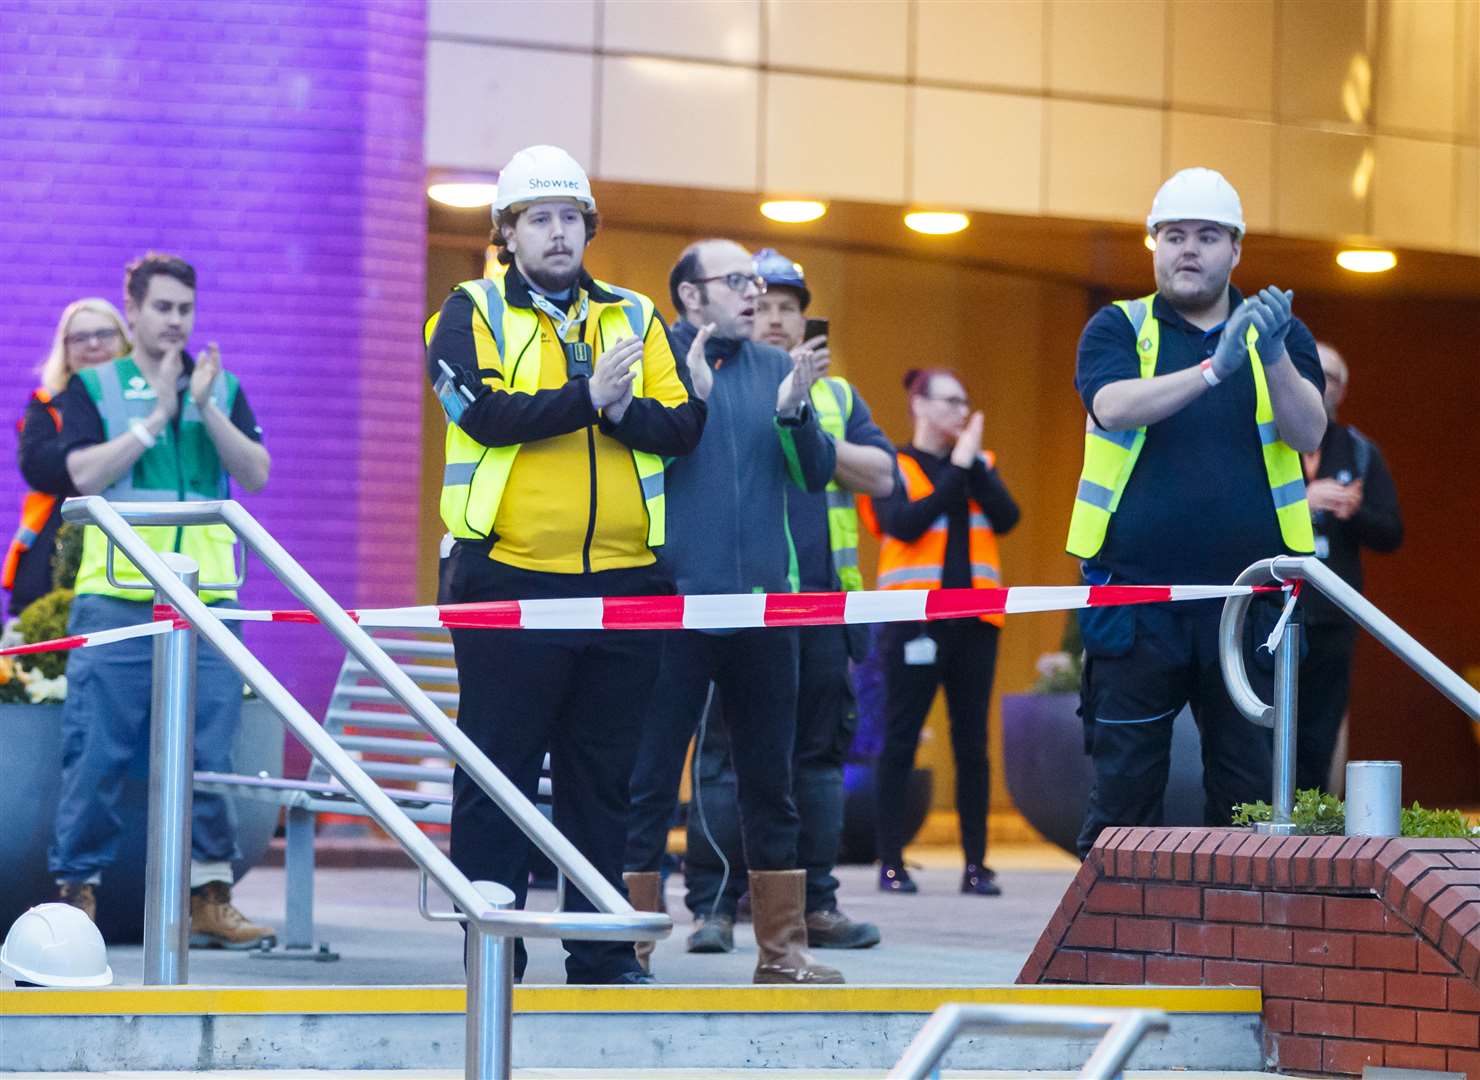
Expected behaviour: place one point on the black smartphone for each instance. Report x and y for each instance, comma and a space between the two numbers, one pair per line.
815, 328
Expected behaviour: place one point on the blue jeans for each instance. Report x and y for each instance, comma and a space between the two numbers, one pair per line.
105, 737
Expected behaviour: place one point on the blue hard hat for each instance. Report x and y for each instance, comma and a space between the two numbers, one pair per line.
778, 270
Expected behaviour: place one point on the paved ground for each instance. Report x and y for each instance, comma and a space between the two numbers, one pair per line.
938, 937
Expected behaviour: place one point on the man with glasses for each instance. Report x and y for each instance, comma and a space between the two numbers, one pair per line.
727, 520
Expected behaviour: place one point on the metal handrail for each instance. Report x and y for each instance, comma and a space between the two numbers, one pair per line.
1124, 1029
1282, 716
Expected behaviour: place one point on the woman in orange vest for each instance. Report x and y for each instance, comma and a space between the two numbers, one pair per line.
939, 531
90, 332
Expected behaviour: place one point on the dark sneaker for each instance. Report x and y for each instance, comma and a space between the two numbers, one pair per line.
896, 879
633, 978
216, 924
980, 881
834, 930
80, 894
715, 934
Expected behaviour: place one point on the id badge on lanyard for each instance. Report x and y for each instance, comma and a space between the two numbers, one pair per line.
579, 356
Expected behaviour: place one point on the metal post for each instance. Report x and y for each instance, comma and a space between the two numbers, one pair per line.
1286, 725
490, 1011
298, 931
1374, 798
171, 765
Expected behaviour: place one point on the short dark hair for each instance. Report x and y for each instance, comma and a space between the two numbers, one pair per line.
687, 269
507, 218
137, 274
917, 380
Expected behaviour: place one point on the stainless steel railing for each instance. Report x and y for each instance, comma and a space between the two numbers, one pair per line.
1282, 714
490, 919
1124, 1029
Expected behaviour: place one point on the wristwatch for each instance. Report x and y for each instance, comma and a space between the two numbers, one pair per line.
796, 419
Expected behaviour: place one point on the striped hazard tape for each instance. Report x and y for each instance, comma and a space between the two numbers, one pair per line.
726, 611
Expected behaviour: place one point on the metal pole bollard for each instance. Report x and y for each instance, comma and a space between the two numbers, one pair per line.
490, 1015
171, 769
1286, 726
1374, 798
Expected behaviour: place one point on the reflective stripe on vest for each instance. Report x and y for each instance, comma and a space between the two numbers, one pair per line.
833, 399
36, 511
182, 466
920, 563
1110, 456
474, 476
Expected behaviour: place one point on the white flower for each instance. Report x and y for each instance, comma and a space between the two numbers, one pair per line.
43, 691
1055, 663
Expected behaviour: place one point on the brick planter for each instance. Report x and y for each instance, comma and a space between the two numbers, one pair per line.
1367, 950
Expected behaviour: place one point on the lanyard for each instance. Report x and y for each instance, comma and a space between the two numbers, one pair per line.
578, 354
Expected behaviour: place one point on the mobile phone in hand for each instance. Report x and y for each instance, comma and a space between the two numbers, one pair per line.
815, 328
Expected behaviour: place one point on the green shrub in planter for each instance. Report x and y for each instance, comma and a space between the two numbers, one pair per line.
1318, 814
43, 620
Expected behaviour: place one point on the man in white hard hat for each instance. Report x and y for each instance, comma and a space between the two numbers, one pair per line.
563, 398
1200, 402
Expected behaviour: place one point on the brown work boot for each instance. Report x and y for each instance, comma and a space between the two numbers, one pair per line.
81, 895
645, 893
216, 924
777, 899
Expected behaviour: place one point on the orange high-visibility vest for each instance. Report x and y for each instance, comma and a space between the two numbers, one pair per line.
36, 510
920, 563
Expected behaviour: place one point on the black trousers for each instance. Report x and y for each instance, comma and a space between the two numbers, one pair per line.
1325, 691
1129, 703
965, 662
827, 717
580, 696
755, 673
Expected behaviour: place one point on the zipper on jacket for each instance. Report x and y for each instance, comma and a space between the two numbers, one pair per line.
591, 459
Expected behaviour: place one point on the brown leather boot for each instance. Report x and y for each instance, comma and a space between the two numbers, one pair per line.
777, 900
216, 924
81, 895
645, 893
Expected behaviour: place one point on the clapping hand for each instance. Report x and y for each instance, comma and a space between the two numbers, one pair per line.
203, 378
701, 375
969, 443
1271, 317
797, 386
610, 385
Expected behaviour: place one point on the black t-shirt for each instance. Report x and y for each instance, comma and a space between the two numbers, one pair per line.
1197, 509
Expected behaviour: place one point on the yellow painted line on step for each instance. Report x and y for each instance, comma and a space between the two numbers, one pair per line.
329, 1000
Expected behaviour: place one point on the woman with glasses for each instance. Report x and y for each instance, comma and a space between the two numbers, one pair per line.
90, 332
939, 531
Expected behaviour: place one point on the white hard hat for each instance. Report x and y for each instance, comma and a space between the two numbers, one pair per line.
55, 945
1197, 195
542, 172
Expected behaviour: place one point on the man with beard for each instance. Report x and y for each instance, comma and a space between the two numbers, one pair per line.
1200, 403
728, 510
563, 397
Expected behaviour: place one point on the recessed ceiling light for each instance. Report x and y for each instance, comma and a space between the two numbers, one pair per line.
1366, 261
793, 211
1150, 242
936, 222
463, 194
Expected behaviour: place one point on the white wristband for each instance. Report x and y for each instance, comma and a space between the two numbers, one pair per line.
139, 430
1209, 375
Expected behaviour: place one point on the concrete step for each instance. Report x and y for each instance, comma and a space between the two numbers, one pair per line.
825, 1030
628, 1074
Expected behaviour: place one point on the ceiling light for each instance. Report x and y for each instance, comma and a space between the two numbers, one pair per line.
936, 223
1363, 261
793, 211
1150, 242
465, 195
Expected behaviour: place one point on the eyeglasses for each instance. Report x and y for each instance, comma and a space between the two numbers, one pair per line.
737, 281
92, 337
953, 402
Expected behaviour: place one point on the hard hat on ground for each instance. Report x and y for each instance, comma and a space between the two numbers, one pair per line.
55, 945
1197, 195
779, 271
542, 172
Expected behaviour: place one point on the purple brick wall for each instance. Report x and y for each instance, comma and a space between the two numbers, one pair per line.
278, 147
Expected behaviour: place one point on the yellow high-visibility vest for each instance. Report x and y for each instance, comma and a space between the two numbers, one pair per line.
1109, 456
832, 397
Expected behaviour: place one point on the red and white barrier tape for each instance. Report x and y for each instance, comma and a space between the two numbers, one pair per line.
726, 611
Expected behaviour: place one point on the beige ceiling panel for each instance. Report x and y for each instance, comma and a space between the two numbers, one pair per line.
486, 101
711, 30
1223, 55
648, 131
1104, 161
978, 151
569, 23
1416, 66
1242, 150
1323, 180
1467, 70
1108, 48
838, 35
1325, 69
841, 138
1413, 193
991, 44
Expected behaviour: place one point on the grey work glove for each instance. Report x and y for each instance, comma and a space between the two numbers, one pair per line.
1271, 316
1232, 352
